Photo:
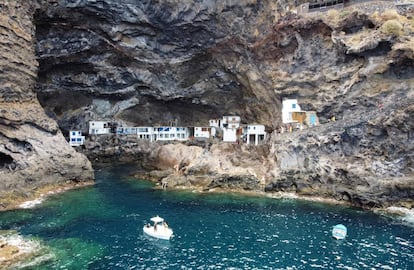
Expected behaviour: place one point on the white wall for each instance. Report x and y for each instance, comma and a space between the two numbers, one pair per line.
76, 138
289, 106
257, 131
229, 135
99, 127
230, 121
201, 132
214, 122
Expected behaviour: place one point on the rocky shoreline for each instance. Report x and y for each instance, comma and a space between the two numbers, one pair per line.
301, 163
37, 196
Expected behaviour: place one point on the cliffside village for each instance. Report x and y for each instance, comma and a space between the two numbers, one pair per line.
227, 129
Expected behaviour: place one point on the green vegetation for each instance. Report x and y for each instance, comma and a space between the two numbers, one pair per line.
392, 27
392, 23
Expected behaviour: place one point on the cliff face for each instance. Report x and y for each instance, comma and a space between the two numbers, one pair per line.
33, 152
151, 62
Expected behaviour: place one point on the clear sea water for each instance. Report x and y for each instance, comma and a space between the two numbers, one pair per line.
100, 227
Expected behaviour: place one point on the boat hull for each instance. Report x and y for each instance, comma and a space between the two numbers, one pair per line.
160, 233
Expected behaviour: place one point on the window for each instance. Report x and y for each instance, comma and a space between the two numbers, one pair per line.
79, 140
293, 106
73, 140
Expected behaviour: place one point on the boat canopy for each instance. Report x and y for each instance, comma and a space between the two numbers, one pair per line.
340, 227
339, 231
157, 219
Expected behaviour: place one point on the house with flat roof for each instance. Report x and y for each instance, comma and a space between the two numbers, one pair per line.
292, 115
76, 138
289, 108
254, 134
145, 133
101, 127
202, 133
170, 133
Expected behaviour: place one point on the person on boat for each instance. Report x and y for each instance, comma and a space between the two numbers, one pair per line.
155, 226
148, 225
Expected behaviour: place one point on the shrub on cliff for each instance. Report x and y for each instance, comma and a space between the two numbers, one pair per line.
332, 18
392, 27
389, 14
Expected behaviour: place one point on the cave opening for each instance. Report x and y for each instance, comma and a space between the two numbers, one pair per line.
5, 160
402, 70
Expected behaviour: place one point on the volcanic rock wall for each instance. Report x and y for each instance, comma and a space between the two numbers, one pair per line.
33, 152
151, 62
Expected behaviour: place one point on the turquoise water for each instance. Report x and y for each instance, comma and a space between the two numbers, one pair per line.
100, 227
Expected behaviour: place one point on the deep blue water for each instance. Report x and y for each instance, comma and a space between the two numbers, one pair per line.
100, 227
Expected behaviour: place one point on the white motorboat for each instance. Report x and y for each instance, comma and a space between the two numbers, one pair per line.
339, 232
159, 229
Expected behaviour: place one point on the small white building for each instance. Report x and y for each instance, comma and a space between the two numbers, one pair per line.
254, 134
230, 126
99, 127
289, 106
202, 133
76, 138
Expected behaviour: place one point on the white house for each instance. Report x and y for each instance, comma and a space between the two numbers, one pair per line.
170, 133
99, 127
254, 134
202, 132
76, 138
289, 106
230, 125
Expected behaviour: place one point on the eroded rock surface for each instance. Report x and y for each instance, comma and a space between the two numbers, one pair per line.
152, 62
33, 151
